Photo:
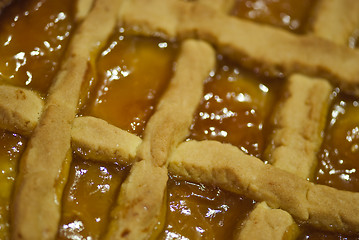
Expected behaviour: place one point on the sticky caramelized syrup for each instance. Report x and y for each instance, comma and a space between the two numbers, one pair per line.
288, 14
132, 74
91, 189
11, 147
234, 108
197, 211
33, 37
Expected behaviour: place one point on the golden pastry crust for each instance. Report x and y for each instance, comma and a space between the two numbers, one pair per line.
329, 22
267, 223
170, 124
165, 130
139, 203
244, 174
299, 123
243, 40
38, 190
96, 139
20, 109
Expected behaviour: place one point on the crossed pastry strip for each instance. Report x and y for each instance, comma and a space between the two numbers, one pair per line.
40, 182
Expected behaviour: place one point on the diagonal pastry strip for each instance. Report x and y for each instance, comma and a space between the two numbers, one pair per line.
299, 121
224, 165
141, 197
43, 166
267, 48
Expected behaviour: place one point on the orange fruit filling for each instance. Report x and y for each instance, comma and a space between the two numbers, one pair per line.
11, 147
34, 36
90, 192
338, 158
338, 164
234, 108
197, 211
132, 74
288, 14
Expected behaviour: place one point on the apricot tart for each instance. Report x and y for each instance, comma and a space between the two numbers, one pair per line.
174, 119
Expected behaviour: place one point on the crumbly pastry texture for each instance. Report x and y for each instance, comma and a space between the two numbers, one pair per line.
285, 197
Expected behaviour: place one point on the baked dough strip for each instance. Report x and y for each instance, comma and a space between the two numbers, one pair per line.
94, 138
264, 47
299, 120
45, 162
298, 125
20, 109
141, 198
336, 20
266, 223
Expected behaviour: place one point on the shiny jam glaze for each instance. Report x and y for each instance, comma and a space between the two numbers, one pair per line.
234, 108
132, 74
11, 147
338, 159
91, 190
33, 37
197, 211
288, 14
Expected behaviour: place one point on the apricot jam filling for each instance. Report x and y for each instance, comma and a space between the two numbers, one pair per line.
287, 14
234, 108
338, 158
90, 192
34, 36
132, 73
11, 147
197, 211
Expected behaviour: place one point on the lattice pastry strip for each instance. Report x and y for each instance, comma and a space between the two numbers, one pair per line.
40, 181
299, 122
